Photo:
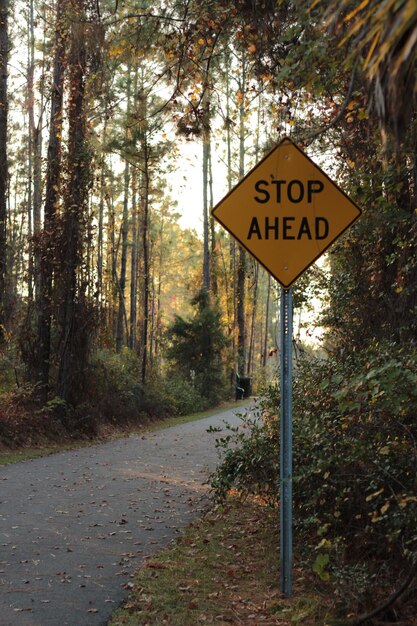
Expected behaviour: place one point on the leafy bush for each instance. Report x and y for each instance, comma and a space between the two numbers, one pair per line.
355, 457
179, 394
250, 458
7, 375
24, 421
118, 396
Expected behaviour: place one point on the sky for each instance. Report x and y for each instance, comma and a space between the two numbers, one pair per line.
187, 184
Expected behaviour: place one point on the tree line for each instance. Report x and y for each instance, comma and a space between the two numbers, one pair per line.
96, 100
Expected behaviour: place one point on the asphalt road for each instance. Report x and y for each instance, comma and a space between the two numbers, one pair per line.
74, 526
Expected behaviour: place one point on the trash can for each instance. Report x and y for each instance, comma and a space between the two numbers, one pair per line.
246, 384
243, 387
239, 392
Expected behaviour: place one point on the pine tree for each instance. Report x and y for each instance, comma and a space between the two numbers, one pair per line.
197, 348
4, 46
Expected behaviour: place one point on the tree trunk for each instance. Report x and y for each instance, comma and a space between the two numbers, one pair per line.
35, 132
145, 250
252, 326
206, 135
144, 190
111, 257
30, 146
100, 229
231, 278
241, 269
37, 196
241, 292
206, 252
134, 265
213, 249
4, 47
53, 175
265, 346
157, 314
72, 352
125, 230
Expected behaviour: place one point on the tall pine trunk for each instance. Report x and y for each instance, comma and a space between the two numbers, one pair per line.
134, 265
241, 267
72, 351
100, 225
266, 335
34, 197
52, 189
30, 145
121, 313
135, 237
230, 276
206, 173
145, 252
251, 354
206, 251
4, 46
144, 191
213, 249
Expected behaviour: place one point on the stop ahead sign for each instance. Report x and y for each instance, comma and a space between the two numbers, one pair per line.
286, 212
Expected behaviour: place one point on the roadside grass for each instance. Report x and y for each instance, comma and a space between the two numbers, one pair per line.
8, 457
223, 570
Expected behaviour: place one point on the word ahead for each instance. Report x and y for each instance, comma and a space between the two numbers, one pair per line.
286, 212
289, 228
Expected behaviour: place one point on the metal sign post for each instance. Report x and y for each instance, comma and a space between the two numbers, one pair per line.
286, 441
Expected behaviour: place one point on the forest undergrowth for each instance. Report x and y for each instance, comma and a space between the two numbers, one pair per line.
355, 459
115, 403
225, 570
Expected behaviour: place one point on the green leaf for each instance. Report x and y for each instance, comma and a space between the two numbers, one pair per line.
320, 564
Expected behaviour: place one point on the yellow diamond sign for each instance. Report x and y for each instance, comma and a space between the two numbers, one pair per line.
286, 212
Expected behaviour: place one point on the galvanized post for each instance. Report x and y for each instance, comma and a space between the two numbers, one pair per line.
286, 442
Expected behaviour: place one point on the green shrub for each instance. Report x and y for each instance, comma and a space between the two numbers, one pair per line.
8, 376
355, 457
179, 394
115, 393
250, 462
118, 396
354, 452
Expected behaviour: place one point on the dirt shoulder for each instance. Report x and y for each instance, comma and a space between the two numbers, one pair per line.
223, 570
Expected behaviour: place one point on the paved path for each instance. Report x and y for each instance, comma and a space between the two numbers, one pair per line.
75, 526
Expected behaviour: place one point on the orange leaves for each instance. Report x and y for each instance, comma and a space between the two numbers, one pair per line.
194, 94
356, 110
404, 500
116, 52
